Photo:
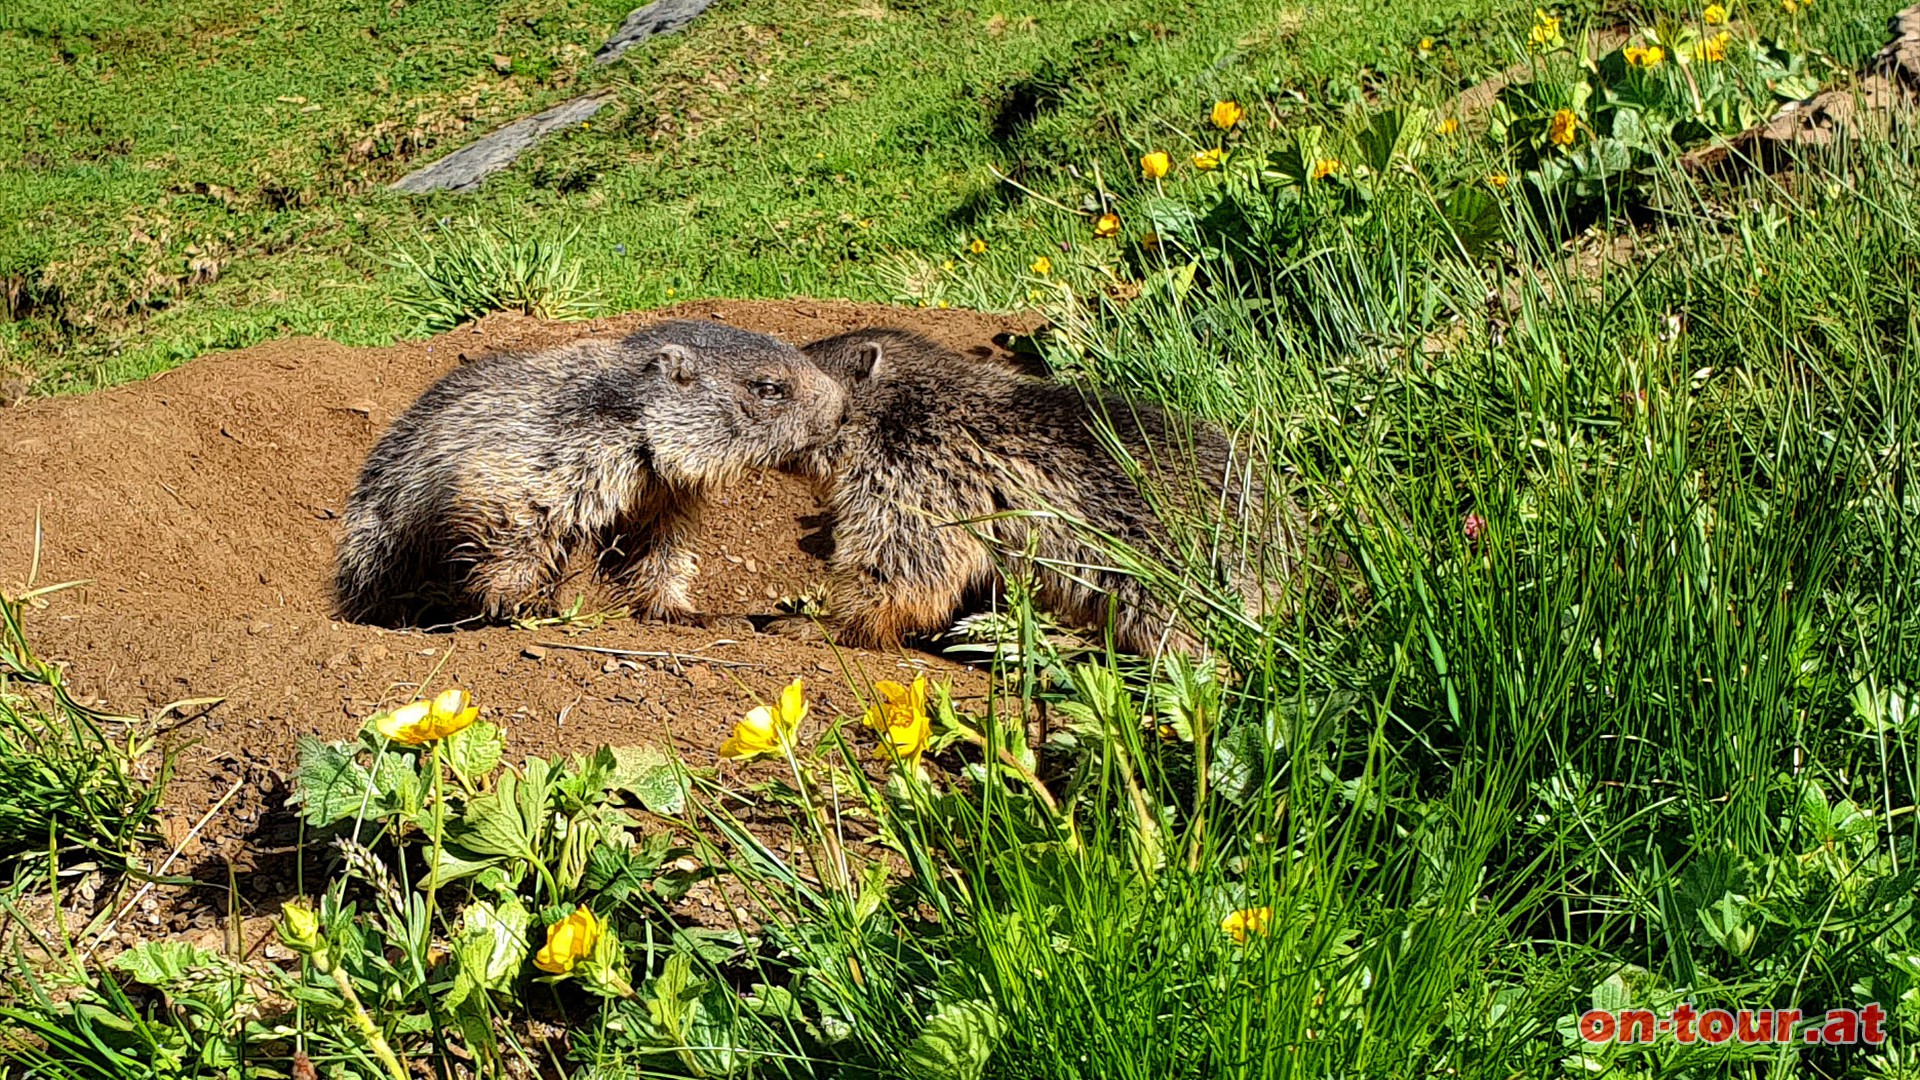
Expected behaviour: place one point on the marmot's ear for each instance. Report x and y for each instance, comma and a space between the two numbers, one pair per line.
679, 363
869, 361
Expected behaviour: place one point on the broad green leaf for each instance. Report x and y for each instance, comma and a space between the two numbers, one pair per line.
164, 964
653, 775
955, 1043
1473, 214
474, 751
397, 784
491, 944
331, 785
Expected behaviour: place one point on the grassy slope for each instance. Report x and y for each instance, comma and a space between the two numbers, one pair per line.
774, 148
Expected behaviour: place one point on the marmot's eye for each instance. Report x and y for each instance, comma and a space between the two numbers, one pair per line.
770, 391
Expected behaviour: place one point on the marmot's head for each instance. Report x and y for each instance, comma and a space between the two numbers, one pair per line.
720, 400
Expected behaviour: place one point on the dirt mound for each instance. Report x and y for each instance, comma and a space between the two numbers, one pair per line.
201, 505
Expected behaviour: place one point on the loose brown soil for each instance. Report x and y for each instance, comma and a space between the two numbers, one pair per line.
200, 506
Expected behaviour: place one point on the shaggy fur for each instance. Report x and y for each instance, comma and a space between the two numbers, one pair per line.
937, 442
475, 498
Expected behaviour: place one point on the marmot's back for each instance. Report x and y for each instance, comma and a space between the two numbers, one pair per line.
936, 439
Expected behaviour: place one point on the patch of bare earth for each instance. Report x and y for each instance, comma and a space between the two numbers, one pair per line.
201, 505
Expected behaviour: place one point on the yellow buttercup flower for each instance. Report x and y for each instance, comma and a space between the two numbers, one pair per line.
897, 704
1715, 15
424, 721
1448, 126
900, 716
1325, 167
1649, 57
768, 728
1042, 266
978, 247
1545, 33
1108, 225
1497, 180
1714, 49
1226, 114
569, 941
1155, 165
1563, 127
1209, 159
1426, 44
1247, 922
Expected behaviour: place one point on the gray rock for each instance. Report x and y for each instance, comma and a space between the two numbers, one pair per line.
659, 17
465, 168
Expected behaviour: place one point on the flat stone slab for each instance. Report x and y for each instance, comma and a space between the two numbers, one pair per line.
659, 17
465, 168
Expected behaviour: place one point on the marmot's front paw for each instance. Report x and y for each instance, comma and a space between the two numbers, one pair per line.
796, 628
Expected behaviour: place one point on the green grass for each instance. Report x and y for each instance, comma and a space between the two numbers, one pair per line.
772, 149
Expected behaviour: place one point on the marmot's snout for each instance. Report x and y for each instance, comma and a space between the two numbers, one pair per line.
834, 407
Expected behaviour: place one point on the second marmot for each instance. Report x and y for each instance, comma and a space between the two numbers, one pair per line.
945, 459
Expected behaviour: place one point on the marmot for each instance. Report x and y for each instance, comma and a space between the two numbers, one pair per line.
475, 498
937, 442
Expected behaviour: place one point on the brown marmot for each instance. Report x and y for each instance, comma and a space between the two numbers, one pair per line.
475, 498
939, 448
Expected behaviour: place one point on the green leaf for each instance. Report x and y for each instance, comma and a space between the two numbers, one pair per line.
1380, 138
1174, 220
1473, 214
397, 785
955, 1043
651, 774
474, 751
331, 785
510, 819
1612, 995
455, 864
164, 964
491, 946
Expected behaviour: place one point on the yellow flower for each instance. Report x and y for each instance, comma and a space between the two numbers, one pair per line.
1325, 167
1448, 126
1226, 114
948, 265
1107, 226
767, 728
1155, 165
1650, 57
1426, 44
569, 941
1209, 159
1714, 49
302, 923
901, 718
1789, 6
1715, 15
1246, 922
424, 721
978, 247
1498, 180
1563, 127
1042, 266
1545, 33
